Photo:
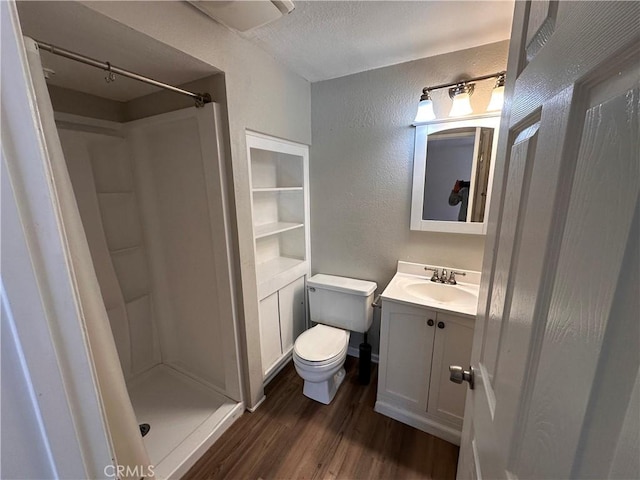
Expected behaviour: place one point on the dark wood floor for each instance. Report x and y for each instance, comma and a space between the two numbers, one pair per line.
293, 437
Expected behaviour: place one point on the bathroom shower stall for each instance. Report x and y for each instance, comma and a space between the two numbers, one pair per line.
152, 198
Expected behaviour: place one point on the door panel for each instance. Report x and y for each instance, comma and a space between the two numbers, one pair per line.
292, 312
518, 176
604, 196
269, 331
556, 314
408, 352
452, 346
542, 17
541, 220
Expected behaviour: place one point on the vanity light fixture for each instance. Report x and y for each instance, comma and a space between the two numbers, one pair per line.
460, 92
497, 96
425, 108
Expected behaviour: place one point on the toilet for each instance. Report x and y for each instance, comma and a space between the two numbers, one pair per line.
338, 306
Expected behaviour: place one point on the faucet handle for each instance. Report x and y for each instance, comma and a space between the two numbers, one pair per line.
434, 277
452, 277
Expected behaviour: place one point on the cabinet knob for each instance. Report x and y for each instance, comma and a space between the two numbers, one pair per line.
430, 322
440, 324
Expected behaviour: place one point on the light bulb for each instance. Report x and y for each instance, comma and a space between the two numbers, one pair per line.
497, 99
461, 105
425, 111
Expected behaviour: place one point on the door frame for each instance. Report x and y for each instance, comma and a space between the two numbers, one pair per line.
39, 296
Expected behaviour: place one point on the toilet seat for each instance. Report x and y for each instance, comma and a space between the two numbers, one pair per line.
320, 364
321, 345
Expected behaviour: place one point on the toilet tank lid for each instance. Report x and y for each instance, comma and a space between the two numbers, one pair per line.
342, 284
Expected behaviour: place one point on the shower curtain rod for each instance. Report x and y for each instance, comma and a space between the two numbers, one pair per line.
200, 98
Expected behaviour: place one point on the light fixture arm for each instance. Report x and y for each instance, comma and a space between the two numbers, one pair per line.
498, 75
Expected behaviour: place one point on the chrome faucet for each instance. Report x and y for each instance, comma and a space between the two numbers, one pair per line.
452, 277
442, 277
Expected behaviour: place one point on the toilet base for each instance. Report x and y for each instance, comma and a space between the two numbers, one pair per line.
324, 392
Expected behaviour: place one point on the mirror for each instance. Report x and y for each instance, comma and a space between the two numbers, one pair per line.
452, 174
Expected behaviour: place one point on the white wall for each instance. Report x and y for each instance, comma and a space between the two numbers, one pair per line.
361, 168
262, 95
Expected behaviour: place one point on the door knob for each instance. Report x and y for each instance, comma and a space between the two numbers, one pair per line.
459, 375
430, 322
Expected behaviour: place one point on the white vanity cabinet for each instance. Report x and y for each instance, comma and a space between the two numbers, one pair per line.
280, 212
417, 345
282, 319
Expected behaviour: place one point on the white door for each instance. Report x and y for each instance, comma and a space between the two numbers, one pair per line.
556, 354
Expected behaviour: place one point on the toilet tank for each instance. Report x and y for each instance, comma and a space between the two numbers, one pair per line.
341, 302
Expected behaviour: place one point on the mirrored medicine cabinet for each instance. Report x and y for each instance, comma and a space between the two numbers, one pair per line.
452, 174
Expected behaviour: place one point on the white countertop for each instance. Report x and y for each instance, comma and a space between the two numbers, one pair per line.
412, 273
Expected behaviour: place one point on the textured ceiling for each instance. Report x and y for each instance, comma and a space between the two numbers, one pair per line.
318, 40
327, 39
75, 27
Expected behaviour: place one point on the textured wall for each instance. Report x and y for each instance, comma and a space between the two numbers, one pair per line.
361, 166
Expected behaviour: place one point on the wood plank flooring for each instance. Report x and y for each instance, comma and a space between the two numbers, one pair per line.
293, 437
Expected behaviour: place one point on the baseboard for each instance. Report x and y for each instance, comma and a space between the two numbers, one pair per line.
417, 421
255, 407
274, 369
355, 352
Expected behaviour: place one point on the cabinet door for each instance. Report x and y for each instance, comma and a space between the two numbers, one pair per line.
452, 346
406, 345
292, 313
269, 331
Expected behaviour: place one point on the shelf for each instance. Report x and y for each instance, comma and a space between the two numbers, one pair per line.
268, 229
280, 211
277, 189
275, 266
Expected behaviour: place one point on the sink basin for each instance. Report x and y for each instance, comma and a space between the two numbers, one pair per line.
441, 293
410, 286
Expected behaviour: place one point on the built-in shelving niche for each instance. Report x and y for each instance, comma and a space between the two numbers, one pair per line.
279, 191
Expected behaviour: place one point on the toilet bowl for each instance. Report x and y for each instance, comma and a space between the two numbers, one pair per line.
318, 356
338, 305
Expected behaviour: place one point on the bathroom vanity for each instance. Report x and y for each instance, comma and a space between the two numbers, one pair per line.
426, 326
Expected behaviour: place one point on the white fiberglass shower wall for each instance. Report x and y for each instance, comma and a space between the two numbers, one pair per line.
153, 205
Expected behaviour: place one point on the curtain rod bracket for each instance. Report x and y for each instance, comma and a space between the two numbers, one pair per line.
202, 99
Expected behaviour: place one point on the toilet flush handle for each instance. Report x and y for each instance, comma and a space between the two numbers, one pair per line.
376, 303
